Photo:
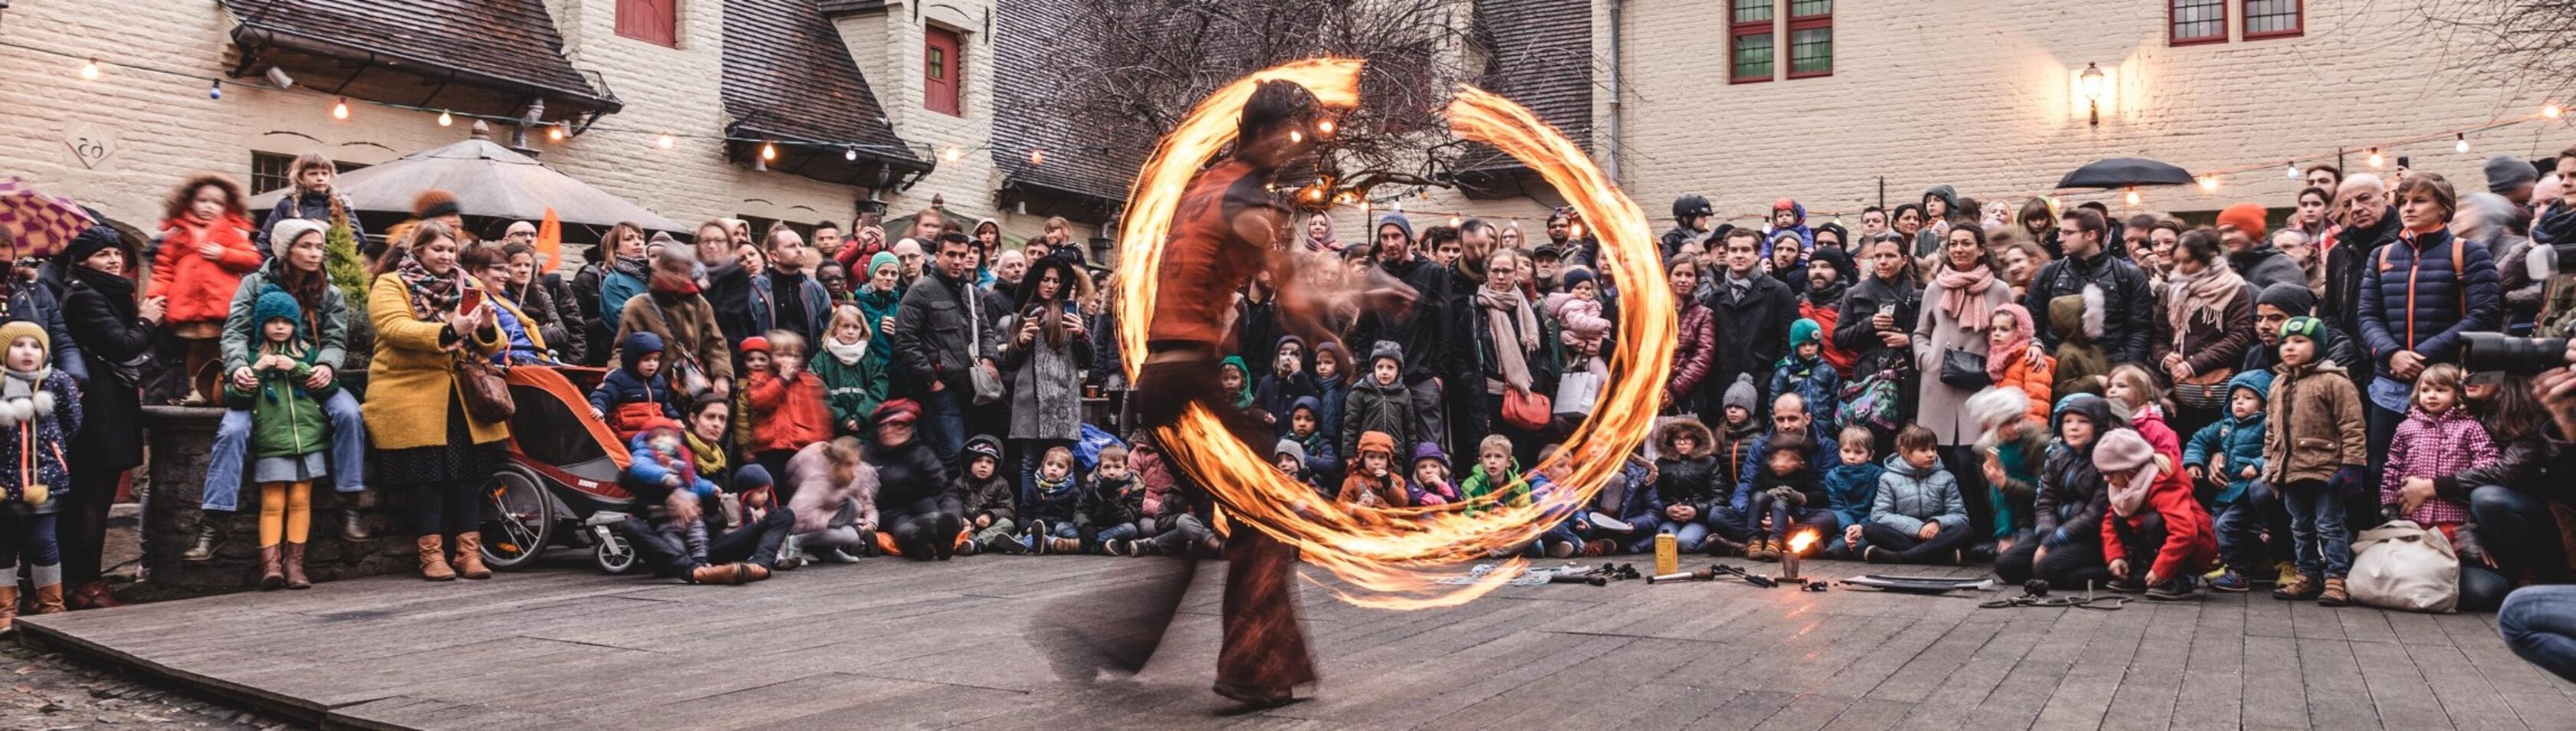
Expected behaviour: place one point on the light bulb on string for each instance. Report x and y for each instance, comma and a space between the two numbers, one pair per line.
2552, 111
2376, 161
768, 151
1455, 221
1324, 127
952, 154
555, 132
1295, 137
340, 109
2461, 146
2209, 183
851, 154
215, 90
89, 71
2290, 170
445, 119
1037, 157
665, 142
2133, 197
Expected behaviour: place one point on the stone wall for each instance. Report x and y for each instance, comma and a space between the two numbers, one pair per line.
180, 438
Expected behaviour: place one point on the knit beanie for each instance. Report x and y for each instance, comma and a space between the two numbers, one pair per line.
902, 410
1837, 257
1741, 394
881, 261
15, 329
433, 203
751, 477
2305, 327
2505, 173
1290, 447
984, 445
2246, 217
2291, 298
1386, 350
2122, 450
1805, 331
1393, 219
1574, 276
275, 304
282, 235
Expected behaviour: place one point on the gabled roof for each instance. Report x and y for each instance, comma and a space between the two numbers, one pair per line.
504, 43
1081, 161
1539, 53
789, 77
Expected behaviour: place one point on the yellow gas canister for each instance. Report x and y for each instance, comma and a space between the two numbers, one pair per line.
1667, 555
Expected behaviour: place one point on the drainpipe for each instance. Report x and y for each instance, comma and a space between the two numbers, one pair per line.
1610, 153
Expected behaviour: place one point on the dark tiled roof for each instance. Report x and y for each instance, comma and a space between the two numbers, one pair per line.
1028, 50
787, 75
507, 40
852, 6
1539, 54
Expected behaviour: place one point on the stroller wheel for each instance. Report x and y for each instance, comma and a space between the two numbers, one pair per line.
613, 554
518, 519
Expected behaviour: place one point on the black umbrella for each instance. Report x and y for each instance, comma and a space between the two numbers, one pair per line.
2123, 172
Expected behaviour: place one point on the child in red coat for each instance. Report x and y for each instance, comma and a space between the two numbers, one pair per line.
788, 410
205, 250
2153, 514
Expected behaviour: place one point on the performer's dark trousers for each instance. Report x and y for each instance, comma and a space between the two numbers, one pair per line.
1264, 647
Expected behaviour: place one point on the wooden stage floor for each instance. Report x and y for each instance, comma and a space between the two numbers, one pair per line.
890, 643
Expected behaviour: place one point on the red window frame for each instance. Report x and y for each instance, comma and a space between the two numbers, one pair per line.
650, 21
2298, 21
2171, 39
939, 52
1735, 35
1785, 56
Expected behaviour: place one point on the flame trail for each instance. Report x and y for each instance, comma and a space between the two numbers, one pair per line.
1385, 552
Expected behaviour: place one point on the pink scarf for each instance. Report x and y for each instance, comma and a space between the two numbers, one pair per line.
2198, 302
1999, 360
1963, 296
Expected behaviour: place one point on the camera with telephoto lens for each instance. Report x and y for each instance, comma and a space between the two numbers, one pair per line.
2550, 261
2500, 352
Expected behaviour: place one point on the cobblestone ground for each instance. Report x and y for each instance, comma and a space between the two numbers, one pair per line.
46, 691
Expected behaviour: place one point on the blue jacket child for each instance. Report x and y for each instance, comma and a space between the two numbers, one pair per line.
1806, 373
638, 391
1850, 489
2231, 448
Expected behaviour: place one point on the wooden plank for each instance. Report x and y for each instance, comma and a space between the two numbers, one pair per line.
2397, 690
2338, 697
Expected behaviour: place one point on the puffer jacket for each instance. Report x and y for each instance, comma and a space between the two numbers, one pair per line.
2432, 445
1750, 468
1053, 503
2314, 425
1908, 498
2411, 299
2035, 375
1812, 379
325, 328
1694, 354
786, 413
624, 397
1692, 478
286, 419
1853, 488
993, 497
2130, 306
1854, 333
35, 449
1378, 408
2072, 498
200, 288
2225, 448
1110, 503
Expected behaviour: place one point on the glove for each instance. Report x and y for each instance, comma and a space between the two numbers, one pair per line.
2347, 478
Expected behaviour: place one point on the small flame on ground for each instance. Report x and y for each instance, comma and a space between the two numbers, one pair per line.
1799, 543
1384, 554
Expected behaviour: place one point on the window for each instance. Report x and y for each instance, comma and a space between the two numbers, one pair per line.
2198, 21
1753, 45
940, 68
652, 21
1811, 38
2273, 19
270, 171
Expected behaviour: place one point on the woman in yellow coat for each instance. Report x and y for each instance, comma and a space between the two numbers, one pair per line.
428, 314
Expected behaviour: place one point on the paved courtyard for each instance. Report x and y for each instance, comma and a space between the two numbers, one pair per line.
897, 644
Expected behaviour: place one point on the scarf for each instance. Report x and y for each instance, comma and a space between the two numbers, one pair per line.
848, 355
2125, 501
1828, 296
23, 397
672, 284
710, 458
1054, 491
1736, 288
633, 266
118, 289
1963, 296
1505, 310
431, 294
2200, 298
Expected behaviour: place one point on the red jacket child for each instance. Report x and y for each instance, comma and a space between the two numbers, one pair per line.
201, 289
2141, 480
787, 412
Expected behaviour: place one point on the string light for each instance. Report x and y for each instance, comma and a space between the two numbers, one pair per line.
340, 109
1324, 127
2376, 161
666, 141
89, 71
2290, 170
1295, 137
1037, 157
850, 153
952, 154
445, 119
555, 132
2552, 111
2209, 183
215, 90
1454, 221
2134, 199
2461, 146
768, 151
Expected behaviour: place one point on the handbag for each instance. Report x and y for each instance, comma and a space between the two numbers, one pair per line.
486, 389
686, 374
2400, 565
2204, 391
1872, 400
1965, 369
988, 385
1525, 409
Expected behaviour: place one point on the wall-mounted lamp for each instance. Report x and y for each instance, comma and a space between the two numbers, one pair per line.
2092, 81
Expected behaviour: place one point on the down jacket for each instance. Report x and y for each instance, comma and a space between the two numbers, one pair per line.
2190, 544
199, 288
1688, 478
1695, 353
1908, 498
816, 500
2411, 298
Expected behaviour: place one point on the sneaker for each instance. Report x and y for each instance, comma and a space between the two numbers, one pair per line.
2231, 582
1007, 545
2128, 586
1559, 549
2298, 588
1031, 545
2285, 571
2213, 574
1874, 554
2333, 595
2180, 588
968, 548
1120, 547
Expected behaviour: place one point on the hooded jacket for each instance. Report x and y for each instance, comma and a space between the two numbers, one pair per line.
1908, 498
1853, 489
1378, 408
817, 500
1690, 478
286, 418
1275, 395
2071, 499
990, 497
2226, 447
1323, 449
197, 286
1812, 379
1513, 490
2264, 265
2190, 543
2130, 307
786, 413
324, 323
626, 398
1429, 494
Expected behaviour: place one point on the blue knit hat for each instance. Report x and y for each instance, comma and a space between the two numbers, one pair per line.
277, 304
751, 477
2258, 381
1805, 331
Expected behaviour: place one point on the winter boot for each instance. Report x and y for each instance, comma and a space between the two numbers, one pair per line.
294, 560
271, 575
2299, 587
9, 609
469, 556
2333, 595
208, 536
1722, 547
352, 526
49, 599
433, 559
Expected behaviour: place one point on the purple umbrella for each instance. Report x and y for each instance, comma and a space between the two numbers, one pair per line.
38, 223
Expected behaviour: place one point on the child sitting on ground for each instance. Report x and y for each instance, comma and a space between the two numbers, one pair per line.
1852, 488
658, 458
2224, 459
1562, 538
1918, 515
1372, 481
2316, 447
2153, 519
1496, 479
1686, 485
1106, 520
1788, 493
637, 392
40, 409
787, 403
289, 437
2438, 438
1323, 464
987, 500
1053, 500
1431, 484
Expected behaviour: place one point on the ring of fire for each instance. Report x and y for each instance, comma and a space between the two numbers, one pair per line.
1386, 552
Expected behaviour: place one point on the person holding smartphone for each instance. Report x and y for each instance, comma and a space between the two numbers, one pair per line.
1043, 357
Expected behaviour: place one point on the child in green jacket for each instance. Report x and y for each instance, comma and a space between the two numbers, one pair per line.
289, 437
854, 379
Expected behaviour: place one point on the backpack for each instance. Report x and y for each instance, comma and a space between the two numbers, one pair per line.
1871, 401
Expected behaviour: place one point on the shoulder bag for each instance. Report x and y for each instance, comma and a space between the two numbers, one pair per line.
988, 386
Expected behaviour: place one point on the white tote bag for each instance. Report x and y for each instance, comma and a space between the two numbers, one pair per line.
1576, 393
2400, 565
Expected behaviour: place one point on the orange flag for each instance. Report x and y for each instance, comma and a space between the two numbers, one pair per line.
550, 239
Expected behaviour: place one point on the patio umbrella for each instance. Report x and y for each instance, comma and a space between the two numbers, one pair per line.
37, 223
2124, 172
489, 181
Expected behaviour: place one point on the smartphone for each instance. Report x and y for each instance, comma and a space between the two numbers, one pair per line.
471, 301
